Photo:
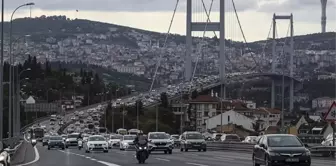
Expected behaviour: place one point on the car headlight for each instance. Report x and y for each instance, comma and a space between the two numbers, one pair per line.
307, 153
274, 154
140, 148
125, 144
105, 144
90, 145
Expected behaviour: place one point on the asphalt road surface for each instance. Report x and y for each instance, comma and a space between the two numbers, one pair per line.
115, 157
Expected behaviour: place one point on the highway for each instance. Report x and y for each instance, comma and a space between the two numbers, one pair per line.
115, 157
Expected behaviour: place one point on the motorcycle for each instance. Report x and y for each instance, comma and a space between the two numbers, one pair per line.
80, 144
142, 152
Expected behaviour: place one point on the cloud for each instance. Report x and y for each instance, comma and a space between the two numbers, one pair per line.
126, 5
291, 5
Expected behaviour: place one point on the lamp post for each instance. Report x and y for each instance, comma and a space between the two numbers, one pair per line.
17, 112
1, 69
11, 77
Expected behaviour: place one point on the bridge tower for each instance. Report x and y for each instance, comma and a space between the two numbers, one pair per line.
205, 26
290, 50
324, 15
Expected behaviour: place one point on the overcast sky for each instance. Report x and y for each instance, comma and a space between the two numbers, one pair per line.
255, 15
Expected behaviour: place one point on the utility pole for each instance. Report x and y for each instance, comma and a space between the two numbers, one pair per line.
137, 111
123, 116
157, 119
1, 69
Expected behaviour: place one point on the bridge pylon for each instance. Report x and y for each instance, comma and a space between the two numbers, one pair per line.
205, 26
288, 49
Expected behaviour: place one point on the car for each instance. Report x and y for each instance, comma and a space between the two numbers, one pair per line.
56, 141
45, 140
160, 141
250, 139
192, 140
4, 156
114, 140
280, 149
96, 143
230, 138
72, 140
126, 142
176, 139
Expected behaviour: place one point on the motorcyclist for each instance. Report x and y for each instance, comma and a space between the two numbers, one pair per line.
139, 137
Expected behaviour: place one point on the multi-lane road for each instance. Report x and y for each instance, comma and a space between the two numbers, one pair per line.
115, 157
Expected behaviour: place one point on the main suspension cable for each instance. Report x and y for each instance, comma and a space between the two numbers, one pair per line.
164, 45
241, 29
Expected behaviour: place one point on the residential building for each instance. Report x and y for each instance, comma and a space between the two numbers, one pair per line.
202, 108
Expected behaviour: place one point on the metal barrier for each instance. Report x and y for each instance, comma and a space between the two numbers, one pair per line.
12, 151
323, 151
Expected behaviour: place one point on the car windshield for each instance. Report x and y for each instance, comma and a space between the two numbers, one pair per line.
96, 139
115, 137
158, 136
55, 138
194, 136
129, 137
73, 136
283, 141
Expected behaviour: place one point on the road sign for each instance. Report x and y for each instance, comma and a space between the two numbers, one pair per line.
331, 114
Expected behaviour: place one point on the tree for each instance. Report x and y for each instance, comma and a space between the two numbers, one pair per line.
164, 100
194, 94
257, 126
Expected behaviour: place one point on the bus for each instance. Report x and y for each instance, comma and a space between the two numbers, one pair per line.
133, 131
37, 133
122, 131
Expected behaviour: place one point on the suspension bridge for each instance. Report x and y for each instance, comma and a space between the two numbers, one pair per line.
199, 22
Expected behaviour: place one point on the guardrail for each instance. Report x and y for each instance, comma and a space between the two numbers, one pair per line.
323, 151
12, 151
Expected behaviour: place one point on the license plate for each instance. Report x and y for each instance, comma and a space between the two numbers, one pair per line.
292, 160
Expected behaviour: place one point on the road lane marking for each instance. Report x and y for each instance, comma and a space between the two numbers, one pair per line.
224, 158
196, 164
92, 159
37, 157
161, 159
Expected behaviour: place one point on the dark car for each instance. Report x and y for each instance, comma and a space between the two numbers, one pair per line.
56, 142
45, 140
280, 149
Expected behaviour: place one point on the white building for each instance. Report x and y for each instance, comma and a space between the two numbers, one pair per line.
202, 108
230, 117
322, 102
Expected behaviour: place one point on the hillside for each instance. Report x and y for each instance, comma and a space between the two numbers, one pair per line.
135, 51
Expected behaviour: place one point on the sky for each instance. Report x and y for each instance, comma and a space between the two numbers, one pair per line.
155, 15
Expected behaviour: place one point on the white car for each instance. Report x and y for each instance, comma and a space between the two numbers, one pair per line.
114, 140
160, 141
127, 142
96, 143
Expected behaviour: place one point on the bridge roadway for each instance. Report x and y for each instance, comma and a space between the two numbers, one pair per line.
115, 157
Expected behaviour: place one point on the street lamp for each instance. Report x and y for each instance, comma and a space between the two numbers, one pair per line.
17, 111
11, 78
